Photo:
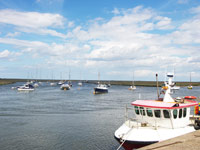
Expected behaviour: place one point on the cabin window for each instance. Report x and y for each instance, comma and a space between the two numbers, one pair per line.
175, 113
149, 112
157, 113
184, 112
180, 113
166, 113
137, 110
142, 112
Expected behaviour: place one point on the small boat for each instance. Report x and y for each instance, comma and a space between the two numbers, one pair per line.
60, 82
80, 84
190, 86
108, 85
52, 83
132, 87
14, 88
65, 86
156, 120
35, 84
101, 88
175, 87
26, 87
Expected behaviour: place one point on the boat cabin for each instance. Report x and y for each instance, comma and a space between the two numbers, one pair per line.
163, 114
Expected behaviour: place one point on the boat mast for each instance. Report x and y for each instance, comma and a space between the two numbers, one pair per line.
98, 77
157, 85
133, 79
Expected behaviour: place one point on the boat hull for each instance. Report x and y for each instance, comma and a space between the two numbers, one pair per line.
99, 91
21, 89
65, 88
130, 145
137, 135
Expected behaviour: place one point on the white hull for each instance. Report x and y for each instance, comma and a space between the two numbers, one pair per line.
132, 88
21, 89
175, 88
134, 132
80, 84
65, 87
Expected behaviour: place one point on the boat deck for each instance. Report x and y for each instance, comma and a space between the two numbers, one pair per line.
190, 141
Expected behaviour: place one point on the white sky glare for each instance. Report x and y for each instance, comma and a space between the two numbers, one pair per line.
115, 38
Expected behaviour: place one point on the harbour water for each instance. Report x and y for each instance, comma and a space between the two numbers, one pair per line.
49, 118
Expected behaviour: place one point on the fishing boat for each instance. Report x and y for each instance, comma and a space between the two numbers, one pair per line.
101, 88
156, 120
26, 87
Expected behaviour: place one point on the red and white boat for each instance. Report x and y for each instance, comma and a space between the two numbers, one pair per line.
156, 120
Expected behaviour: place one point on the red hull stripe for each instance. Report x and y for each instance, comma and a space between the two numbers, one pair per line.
130, 145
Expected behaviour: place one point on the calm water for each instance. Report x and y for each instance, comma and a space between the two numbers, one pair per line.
49, 118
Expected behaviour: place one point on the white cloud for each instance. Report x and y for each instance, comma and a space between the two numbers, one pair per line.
130, 39
5, 54
33, 22
30, 19
164, 23
8, 55
13, 34
116, 11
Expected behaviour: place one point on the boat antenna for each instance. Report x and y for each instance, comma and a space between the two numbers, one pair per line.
157, 85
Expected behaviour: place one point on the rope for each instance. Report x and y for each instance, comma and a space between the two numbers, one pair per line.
124, 139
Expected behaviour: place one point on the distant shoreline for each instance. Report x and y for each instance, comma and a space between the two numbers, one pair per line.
112, 82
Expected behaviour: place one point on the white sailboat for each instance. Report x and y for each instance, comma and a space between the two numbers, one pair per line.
101, 88
175, 87
132, 87
190, 86
80, 83
66, 85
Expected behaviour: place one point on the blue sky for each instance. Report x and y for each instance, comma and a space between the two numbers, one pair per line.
47, 38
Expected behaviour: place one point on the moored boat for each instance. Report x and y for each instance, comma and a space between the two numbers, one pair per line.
60, 82
101, 88
156, 120
26, 87
190, 86
132, 87
65, 86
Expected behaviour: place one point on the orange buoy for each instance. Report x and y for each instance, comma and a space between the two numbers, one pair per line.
164, 87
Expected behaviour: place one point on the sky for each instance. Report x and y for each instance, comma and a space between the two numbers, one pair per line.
120, 39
